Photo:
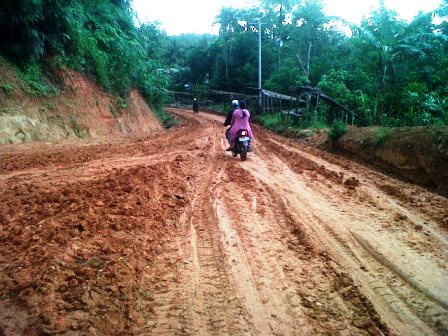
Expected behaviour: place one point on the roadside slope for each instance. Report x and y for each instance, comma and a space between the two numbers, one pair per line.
81, 109
417, 154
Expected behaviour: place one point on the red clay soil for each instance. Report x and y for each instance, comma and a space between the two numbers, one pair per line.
417, 154
170, 235
81, 109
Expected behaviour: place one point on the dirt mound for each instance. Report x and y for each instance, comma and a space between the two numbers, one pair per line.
419, 154
416, 154
81, 109
76, 252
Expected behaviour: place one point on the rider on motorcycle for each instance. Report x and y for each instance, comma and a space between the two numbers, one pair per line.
228, 120
240, 120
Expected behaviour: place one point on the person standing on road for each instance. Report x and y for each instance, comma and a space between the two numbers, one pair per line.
240, 120
229, 119
195, 106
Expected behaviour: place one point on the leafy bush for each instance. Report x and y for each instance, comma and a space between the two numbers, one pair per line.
7, 88
334, 85
166, 120
422, 109
382, 134
98, 38
337, 129
37, 85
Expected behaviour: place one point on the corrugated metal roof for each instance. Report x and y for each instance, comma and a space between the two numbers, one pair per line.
272, 94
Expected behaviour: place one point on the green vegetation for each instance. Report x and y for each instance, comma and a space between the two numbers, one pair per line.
387, 71
98, 38
167, 121
37, 85
7, 88
287, 125
338, 129
76, 127
270, 121
121, 103
382, 134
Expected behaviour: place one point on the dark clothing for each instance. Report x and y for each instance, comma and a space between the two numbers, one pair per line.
228, 135
195, 106
228, 118
227, 122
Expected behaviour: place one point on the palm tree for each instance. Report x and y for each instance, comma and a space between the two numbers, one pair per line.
228, 21
392, 43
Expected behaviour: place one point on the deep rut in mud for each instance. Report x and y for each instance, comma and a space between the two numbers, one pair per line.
170, 235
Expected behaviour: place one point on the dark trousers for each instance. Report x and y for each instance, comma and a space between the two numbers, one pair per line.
228, 135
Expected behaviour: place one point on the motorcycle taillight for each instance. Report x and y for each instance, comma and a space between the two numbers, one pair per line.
243, 133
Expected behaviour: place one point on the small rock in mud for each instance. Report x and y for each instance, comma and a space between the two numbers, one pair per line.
351, 183
400, 217
418, 227
60, 325
362, 322
158, 249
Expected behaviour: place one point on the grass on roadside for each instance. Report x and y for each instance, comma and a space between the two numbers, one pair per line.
166, 120
281, 125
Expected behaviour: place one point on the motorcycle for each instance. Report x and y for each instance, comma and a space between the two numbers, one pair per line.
242, 144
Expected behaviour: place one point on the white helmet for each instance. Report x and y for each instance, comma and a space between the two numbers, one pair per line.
235, 102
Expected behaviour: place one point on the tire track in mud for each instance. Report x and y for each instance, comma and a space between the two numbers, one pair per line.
308, 286
172, 236
274, 305
254, 267
202, 302
403, 300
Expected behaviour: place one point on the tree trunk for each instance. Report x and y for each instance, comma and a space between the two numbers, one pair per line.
308, 61
379, 104
306, 68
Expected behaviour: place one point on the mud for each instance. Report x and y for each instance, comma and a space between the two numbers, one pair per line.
80, 109
170, 235
416, 154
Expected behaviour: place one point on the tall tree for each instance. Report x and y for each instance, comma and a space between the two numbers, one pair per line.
393, 43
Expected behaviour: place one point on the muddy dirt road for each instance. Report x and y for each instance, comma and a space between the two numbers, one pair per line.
170, 235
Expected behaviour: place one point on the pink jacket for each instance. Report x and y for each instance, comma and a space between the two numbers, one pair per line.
238, 122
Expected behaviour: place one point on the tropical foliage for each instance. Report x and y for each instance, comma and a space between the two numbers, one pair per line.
388, 71
98, 38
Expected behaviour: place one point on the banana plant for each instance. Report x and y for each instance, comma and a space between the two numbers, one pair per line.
392, 42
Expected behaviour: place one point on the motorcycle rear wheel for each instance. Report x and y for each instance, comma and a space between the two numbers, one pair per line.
243, 156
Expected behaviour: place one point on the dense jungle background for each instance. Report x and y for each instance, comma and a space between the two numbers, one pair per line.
387, 71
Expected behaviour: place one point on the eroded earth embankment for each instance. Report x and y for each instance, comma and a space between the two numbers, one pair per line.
80, 109
417, 154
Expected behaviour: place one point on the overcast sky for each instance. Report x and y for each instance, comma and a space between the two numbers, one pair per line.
197, 16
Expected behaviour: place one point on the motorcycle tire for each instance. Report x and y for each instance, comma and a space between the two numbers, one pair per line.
243, 156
